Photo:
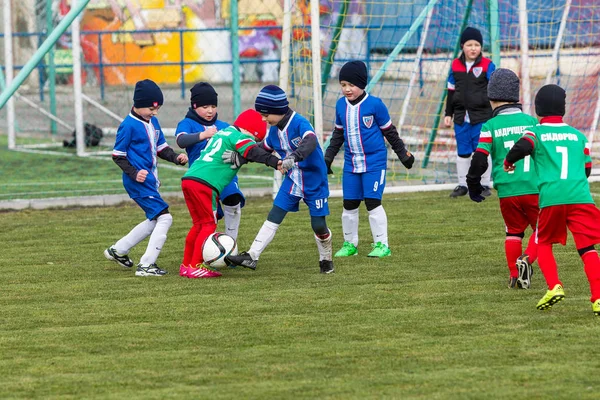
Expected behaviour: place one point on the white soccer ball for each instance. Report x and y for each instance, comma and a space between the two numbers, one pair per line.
216, 247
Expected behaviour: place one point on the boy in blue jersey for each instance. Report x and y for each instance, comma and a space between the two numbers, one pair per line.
362, 122
200, 124
294, 139
139, 142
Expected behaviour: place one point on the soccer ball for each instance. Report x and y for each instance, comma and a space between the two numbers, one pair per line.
216, 247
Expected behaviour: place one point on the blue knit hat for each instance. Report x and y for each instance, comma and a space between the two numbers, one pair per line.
271, 100
147, 94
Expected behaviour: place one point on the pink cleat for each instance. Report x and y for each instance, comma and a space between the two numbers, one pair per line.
202, 272
183, 270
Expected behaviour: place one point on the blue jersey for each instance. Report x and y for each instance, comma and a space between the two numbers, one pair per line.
140, 142
308, 178
187, 126
364, 148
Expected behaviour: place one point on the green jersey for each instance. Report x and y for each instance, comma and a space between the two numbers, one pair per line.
561, 154
210, 168
497, 137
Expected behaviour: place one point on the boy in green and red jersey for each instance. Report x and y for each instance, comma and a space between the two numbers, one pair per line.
562, 156
207, 177
517, 190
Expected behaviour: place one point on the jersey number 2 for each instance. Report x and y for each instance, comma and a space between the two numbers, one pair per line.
214, 146
526, 161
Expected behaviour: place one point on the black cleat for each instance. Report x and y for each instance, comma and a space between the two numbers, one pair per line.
243, 259
326, 266
512, 283
123, 260
487, 192
459, 191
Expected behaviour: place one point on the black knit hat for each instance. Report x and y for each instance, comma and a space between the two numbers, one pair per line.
504, 85
471, 34
355, 72
203, 94
271, 100
550, 100
147, 94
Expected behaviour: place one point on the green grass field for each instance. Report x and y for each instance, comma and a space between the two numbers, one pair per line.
434, 321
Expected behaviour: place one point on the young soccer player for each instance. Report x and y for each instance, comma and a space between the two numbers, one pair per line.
562, 157
517, 190
294, 139
467, 103
362, 122
192, 134
139, 141
210, 175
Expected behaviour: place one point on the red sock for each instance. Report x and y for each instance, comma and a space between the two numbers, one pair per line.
591, 264
190, 241
513, 249
531, 249
203, 234
548, 266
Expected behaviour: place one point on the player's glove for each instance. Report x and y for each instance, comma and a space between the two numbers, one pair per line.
328, 163
407, 160
288, 163
475, 191
234, 158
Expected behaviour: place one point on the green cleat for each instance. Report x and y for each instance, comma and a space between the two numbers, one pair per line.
347, 250
380, 250
596, 307
551, 298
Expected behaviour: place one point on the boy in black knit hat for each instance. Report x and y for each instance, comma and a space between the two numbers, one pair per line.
138, 144
518, 191
362, 121
468, 105
193, 133
563, 161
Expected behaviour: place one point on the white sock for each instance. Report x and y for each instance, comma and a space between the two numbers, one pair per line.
462, 169
232, 214
378, 222
350, 226
157, 239
324, 246
136, 235
262, 239
486, 178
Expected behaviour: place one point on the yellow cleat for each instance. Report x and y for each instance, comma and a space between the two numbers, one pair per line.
596, 307
552, 297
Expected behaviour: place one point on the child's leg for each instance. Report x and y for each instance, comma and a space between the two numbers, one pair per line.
377, 221
532, 249
583, 220
267, 232
233, 201
157, 238
591, 264
350, 221
513, 248
323, 237
136, 235
548, 265
204, 231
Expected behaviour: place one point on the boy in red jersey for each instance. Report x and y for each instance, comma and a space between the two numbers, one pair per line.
562, 156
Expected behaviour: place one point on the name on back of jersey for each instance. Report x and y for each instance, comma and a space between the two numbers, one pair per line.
558, 137
511, 130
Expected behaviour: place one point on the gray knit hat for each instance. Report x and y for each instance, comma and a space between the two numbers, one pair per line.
504, 85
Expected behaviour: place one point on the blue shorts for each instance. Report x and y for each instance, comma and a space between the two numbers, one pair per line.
231, 189
367, 185
152, 205
467, 137
290, 203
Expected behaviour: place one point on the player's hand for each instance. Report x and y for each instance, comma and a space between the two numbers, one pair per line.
475, 193
328, 163
408, 160
182, 159
234, 158
287, 164
508, 167
279, 167
208, 133
141, 176
448, 121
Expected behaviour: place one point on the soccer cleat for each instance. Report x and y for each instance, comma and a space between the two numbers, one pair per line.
525, 272
596, 307
347, 250
487, 192
380, 250
183, 270
149, 270
326, 266
122, 260
244, 259
459, 191
512, 282
551, 298
202, 272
